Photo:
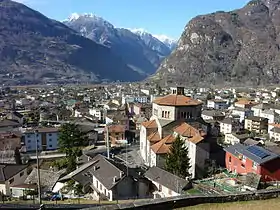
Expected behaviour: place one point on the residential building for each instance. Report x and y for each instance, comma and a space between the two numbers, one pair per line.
114, 181
49, 179
217, 104
212, 115
245, 104
271, 115
229, 125
242, 113
234, 138
10, 141
47, 139
274, 133
243, 159
16, 116
117, 134
9, 126
166, 184
256, 124
97, 113
11, 175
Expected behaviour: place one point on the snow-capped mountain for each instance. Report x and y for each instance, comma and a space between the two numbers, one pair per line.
141, 51
167, 41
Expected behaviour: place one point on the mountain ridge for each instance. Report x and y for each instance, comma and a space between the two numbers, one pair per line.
237, 47
141, 51
36, 49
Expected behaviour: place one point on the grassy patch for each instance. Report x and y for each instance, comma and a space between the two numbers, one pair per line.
194, 191
271, 204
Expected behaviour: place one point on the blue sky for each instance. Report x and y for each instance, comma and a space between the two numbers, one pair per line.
167, 17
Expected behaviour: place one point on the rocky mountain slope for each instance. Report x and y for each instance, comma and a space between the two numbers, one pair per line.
35, 49
240, 47
141, 51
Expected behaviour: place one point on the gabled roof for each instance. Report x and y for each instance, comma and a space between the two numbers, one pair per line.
7, 171
106, 170
228, 121
163, 146
177, 100
116, 128
194, 135
6, 123
166, 179
154, 137
259, 155
150, 124
48, 178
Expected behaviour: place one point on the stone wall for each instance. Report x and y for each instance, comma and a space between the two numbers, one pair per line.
184, 201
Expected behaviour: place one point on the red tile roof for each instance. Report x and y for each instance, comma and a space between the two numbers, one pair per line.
163, 146
150, 124
194, 135
154, 137
177, 100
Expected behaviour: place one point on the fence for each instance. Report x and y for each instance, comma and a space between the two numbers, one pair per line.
185, 201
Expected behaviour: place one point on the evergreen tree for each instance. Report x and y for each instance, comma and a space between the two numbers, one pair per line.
70, 141
177, 161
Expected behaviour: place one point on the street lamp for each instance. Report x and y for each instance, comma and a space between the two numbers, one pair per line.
38, 170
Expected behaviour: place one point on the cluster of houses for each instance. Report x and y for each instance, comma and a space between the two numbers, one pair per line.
239, 131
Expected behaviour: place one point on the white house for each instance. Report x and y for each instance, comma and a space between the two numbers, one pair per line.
166, 184
12, 175
229, 125
233, 138
47, 139
113, 181
98, 113
217, 104
274, 132
242, 113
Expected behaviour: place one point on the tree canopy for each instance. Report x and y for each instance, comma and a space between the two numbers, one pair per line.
178, 161
70, 141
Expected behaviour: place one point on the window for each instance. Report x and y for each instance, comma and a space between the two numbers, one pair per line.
162, 114
21, 174
29, 141
28, 136
50, 139
109, 195
11, 180
96, 183
50, 145
242, 165
105, 192
100, 186
50, 134
159, 188
229, 159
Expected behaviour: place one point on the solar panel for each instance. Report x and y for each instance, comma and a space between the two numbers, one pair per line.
257, 152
